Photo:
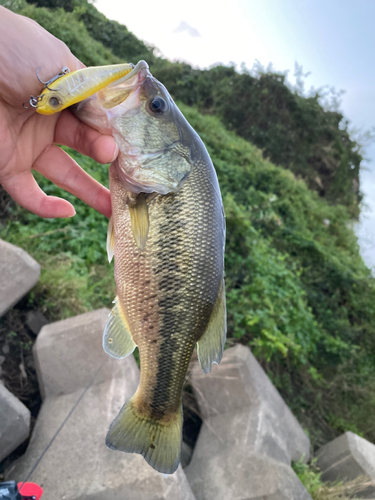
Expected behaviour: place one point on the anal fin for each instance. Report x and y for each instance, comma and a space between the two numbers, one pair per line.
211, 345
117, 339
139, 220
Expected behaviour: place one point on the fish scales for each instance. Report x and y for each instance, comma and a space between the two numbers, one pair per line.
167, 235
167, 290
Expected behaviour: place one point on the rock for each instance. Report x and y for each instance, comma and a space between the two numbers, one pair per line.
347, 457
78, 465
186, 454
2, 359
14, 422
68, 353
240, 405
19, 273
248, 436
84, 389
216, 475
35, 320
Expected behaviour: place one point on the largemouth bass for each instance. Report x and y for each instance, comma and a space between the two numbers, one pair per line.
167, 235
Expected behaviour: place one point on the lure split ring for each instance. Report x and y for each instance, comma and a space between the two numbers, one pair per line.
32, 102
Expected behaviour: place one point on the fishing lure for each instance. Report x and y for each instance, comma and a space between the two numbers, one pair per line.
75, 86
33, 101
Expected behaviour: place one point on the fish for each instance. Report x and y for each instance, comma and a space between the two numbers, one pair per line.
167, 236
75, 86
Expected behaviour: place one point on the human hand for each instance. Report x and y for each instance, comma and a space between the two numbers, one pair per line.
28, 140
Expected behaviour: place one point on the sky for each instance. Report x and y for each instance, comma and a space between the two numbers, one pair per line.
334, 40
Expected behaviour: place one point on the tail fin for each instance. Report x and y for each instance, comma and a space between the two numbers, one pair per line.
159, 442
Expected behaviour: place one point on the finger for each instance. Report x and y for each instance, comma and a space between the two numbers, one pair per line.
25, 191
63, 171
77, 135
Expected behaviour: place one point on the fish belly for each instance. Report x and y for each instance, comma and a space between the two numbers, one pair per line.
167, 292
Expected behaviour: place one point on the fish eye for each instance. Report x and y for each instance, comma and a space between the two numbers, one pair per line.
158, 105
54, 102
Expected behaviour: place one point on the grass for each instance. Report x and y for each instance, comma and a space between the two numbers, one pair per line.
310, 477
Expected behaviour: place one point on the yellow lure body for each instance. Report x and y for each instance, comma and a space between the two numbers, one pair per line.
76, 86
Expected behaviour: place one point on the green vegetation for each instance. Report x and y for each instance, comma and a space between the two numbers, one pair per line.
291, 130
111, 34
67, 27
298, 291
76, 276
310, 476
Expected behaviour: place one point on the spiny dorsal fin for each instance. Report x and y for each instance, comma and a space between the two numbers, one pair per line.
211, 345
110, 240
117, 339
139, 220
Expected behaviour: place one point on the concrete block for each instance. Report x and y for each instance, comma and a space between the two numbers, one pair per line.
78, 465
347, 457
254, 430
215, 474
186, 454
241, 406
69, 352
19, 273
14, 422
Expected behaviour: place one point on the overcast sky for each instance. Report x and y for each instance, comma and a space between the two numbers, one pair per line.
332, 39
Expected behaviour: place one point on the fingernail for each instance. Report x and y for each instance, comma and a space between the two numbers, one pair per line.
115, 153
74, 212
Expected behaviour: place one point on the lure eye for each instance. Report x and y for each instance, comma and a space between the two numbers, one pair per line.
54, 102
158, 105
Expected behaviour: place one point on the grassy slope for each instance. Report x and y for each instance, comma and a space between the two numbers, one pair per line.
298, 291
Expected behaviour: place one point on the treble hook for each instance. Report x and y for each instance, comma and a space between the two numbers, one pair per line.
65, 70
33, 101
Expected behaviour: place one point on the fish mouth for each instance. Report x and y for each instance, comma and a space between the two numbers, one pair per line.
120, 97
141, 65
136, 77
119, 90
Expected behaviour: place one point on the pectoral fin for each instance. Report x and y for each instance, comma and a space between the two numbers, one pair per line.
211, 345
117, 339
139, 220
110, 240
